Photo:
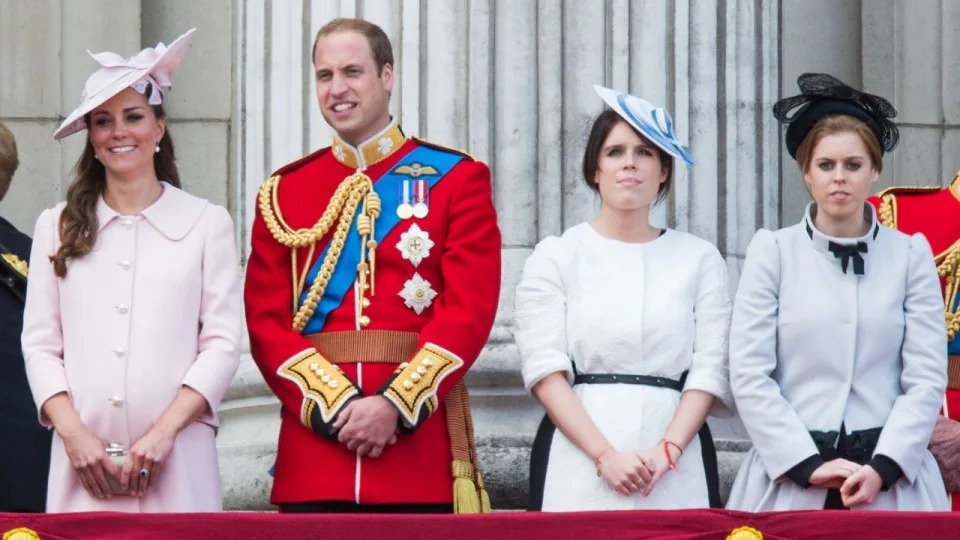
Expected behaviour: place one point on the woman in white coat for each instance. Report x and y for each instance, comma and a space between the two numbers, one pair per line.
622, 330
837, 343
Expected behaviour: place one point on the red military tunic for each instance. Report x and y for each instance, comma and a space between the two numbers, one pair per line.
935, 212
448, 300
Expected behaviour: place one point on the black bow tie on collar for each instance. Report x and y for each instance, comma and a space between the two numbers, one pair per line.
845, 252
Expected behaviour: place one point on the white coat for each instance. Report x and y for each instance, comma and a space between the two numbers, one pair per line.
814, 348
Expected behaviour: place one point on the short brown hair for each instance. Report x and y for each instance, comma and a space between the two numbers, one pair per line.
601, 129
834, 124
8, 158
380, 46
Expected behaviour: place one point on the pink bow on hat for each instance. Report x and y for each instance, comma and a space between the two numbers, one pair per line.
159, 78
152, 66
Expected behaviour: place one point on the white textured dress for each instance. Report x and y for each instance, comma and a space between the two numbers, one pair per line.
659, 308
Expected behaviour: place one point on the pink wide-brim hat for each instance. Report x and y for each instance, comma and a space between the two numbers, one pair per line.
153, 65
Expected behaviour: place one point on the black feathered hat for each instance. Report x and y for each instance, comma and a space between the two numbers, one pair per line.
822, 94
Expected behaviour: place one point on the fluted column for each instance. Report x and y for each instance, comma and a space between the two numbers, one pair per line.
911, 56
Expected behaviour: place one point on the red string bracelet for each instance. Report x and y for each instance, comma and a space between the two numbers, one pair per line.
666, 452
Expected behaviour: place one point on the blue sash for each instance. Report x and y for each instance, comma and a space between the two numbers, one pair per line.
387, 187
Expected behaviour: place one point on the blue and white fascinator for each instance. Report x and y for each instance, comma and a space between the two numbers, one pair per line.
653, 122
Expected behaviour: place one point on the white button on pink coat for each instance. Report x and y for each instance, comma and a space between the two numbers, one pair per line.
154, 306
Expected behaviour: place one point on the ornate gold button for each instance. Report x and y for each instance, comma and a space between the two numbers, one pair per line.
364, 321
427, 362
333, 383
407, 384
421, 370
415, 377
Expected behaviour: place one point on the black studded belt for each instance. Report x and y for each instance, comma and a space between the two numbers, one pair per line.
619, 378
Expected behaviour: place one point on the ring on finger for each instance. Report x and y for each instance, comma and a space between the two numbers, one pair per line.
144, 473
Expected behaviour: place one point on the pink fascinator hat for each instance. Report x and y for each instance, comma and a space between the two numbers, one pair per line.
152, 66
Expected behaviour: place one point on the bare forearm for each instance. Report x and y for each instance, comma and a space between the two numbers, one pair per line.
185, 409
568, 414
690, 416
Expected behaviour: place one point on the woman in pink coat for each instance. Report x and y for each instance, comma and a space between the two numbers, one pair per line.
132, 322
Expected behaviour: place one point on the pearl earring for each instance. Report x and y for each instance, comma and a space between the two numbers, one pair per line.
156, 148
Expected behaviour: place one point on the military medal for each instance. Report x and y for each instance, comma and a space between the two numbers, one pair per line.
421, 199
404, 209
417, 294
414, 245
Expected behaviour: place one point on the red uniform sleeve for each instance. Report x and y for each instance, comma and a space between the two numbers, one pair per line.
470, 265
306, 383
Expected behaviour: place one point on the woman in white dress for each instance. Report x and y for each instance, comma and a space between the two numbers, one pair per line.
838, 342
622, 329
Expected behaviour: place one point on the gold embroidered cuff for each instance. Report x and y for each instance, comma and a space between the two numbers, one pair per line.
322, 383
415, 384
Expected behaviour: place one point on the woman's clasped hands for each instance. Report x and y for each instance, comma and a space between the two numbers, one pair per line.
86, 453
145, 460
858, 484
632, 472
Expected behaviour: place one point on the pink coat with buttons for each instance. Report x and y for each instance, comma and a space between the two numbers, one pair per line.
154, 306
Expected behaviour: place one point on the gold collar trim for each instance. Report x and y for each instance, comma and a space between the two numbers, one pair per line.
373, 150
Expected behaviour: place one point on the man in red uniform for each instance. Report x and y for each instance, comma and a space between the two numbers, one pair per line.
935, 212
371, 288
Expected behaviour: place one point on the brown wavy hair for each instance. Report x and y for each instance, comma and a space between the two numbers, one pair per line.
78, 221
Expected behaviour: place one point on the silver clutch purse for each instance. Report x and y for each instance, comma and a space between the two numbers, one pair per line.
118, 455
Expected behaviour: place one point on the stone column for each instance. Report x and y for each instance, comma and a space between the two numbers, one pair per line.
911, 56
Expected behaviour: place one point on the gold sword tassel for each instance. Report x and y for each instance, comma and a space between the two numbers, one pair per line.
367, 265
371, 205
